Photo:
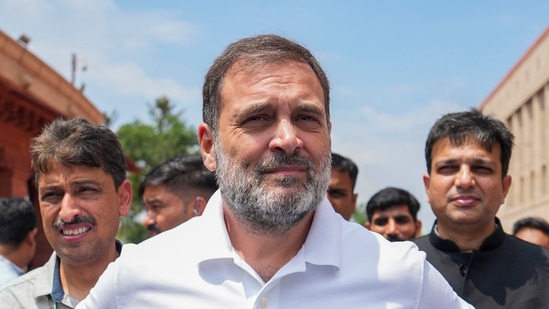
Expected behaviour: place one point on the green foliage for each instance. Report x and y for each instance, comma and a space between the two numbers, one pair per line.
359, 216
149, 145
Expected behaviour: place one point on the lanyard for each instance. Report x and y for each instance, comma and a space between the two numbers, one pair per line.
52, 302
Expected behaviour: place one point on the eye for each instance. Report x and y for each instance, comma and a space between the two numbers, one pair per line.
380, 221
402, 220
336, 193
51, 197
447, 169
256, 118
256, 122
86, 189
308, 122
482, 169
307, 118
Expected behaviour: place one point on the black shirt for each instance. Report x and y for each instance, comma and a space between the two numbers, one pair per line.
505, 272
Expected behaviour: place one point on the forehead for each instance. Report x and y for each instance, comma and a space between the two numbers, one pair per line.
393, 211
58, 173
157, 189
340, 176
243, 76
470, 147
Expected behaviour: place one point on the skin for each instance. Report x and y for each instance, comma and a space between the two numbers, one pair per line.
533, 235
395, 223
340, 193
274, 109
166, 210
465, 189
85, 248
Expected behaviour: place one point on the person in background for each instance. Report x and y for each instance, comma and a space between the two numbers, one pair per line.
342, 185
269, 236
80, 172
467, 155
17, 237
392, 212
175, 191
532, 229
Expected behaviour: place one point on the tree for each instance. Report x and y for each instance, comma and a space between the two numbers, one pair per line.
359, 216
149, 145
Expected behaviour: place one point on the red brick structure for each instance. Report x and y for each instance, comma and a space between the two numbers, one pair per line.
31, 95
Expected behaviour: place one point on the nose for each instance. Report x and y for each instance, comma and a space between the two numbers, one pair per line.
149, 220
465, 178
69, 208
285, 137
392, 227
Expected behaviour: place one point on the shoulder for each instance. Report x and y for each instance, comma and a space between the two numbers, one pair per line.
519, 247
374, 249
423, 242
28, 286
183, 240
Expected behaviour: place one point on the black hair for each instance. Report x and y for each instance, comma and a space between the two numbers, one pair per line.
390, 197
345, 164
17, 219
471, 125
531, 222
180, 174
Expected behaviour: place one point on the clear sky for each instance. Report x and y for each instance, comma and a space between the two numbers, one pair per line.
394, 66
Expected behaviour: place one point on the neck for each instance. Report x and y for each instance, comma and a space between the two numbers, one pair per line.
78, 279
467, 239
266, 254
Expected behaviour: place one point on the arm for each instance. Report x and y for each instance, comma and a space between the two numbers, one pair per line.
437, 293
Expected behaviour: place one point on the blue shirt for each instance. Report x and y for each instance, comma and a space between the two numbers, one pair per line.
8, 270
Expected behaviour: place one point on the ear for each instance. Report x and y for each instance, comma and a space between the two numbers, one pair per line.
330, 127
368, 225
418, 228
199, 205
206, 142
31, 237
506, 186
125, 197
426, 182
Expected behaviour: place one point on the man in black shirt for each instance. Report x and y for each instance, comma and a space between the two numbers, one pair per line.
468, 156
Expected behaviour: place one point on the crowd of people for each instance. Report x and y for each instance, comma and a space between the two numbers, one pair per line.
261, 218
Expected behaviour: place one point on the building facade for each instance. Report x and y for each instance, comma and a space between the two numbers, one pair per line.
521, 100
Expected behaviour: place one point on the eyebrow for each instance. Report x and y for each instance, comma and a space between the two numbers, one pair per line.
84, 182
309, 108
474, 161
153, 201
254, 108
262, 106
72, 184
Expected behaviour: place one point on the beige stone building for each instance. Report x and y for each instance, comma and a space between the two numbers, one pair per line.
521, 100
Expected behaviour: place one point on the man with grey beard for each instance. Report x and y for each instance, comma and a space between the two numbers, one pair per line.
269, 237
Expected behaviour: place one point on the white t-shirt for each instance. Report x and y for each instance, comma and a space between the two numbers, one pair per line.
341, 265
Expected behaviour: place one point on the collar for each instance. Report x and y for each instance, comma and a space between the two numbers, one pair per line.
326, 228
18, 270
57, 292
491, 242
